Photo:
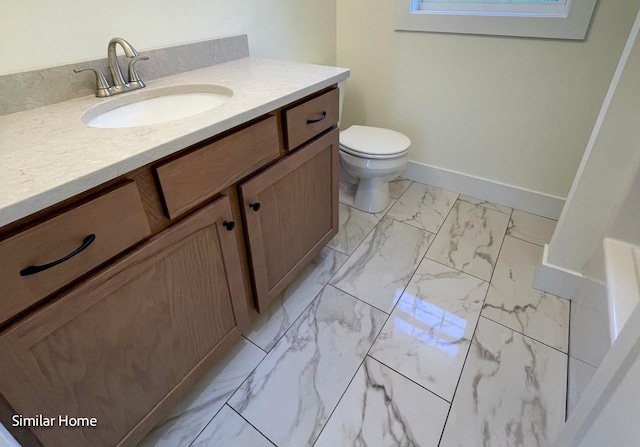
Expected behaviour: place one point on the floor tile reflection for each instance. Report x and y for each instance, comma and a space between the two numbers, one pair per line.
381, 267
428, 333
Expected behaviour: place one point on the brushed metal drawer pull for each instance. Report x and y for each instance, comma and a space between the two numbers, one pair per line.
317, 120
33, 269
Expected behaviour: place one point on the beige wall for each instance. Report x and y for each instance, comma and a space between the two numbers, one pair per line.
36, 34
512, 110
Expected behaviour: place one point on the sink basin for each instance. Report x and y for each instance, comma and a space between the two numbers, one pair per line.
154, 106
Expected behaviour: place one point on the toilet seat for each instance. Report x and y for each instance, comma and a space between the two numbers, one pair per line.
373, 142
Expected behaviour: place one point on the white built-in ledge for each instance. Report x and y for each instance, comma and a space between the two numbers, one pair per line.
623, 282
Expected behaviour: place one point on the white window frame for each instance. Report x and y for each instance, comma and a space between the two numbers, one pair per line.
565, 21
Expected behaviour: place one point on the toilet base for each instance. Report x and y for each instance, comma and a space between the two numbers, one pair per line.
372, 195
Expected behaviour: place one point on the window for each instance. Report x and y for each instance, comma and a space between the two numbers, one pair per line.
527, 8
560, 19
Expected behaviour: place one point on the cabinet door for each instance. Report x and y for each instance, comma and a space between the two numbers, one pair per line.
291, 212
123, 346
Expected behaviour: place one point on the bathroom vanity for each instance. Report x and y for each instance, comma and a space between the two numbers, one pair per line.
170, 237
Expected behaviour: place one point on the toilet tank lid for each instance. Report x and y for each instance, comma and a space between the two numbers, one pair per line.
374, 140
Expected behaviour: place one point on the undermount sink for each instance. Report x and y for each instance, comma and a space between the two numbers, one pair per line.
154, 106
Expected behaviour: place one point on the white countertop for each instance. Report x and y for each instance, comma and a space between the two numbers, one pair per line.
48, 155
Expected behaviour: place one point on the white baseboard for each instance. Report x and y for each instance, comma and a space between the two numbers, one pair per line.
555, 280
515, 197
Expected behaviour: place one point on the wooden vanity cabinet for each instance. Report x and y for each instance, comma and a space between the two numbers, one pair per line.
129, 339
140, 319
291, 212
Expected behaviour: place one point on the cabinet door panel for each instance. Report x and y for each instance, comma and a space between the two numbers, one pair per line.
298, 214
114, 347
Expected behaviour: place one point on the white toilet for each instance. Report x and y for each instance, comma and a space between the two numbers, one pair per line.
372, 157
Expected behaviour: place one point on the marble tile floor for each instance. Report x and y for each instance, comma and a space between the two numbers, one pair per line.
410, 329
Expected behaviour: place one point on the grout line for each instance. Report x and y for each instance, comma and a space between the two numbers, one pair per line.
256, 428
440, 228
230, 394
566, 394
524, 335
254, 344
409, 379
278, 341
484, 206
293, 324
363, 301
491, 285
368, 350
362, 242
499, 253
537, 215
295, 320
206, 425
455, 390
372, 344
524, 240
412, 225
411, 182
459, 271
363, 239
310, 302
339, 251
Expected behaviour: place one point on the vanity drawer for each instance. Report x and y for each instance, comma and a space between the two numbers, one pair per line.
193, 178
311, 118
116, 219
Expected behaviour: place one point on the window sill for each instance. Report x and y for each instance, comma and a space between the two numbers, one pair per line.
573, 27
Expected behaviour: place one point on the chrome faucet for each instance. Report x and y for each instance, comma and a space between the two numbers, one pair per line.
119, 84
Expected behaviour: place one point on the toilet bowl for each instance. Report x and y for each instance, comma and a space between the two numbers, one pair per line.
372, 157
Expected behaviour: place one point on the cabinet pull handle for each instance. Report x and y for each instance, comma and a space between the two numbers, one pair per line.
229, 225
254, 206
317, 120
33, 269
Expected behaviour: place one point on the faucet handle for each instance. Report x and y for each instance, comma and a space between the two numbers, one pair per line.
134, 78
103, 87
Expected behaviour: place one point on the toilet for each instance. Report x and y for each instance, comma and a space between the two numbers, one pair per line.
371, 157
